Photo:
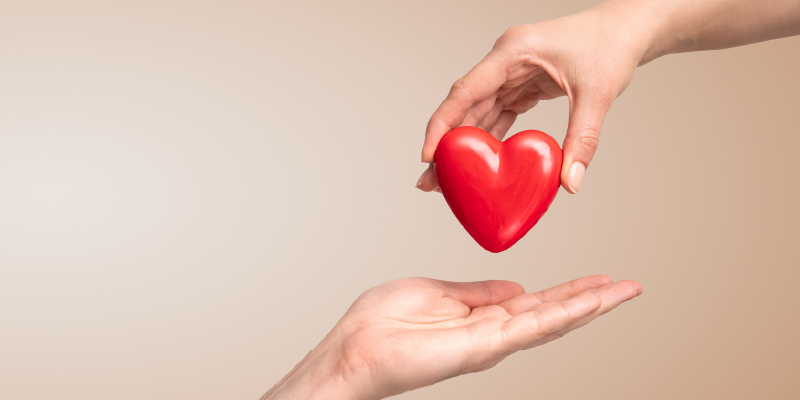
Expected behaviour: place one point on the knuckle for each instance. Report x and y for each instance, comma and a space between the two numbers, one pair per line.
460, 90
517, 38
587, 141
515, 32
458, 85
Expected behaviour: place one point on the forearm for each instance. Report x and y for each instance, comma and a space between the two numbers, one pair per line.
677, 26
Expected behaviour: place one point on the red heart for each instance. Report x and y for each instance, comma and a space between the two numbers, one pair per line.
498, 190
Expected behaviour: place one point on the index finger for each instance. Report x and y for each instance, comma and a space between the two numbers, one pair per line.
478, 84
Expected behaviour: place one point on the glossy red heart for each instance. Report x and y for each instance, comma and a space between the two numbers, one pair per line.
498, 190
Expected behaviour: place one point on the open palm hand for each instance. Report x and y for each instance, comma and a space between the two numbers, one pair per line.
414, 332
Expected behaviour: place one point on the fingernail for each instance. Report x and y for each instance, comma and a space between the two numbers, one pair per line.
439, 190
419, 182
576, 176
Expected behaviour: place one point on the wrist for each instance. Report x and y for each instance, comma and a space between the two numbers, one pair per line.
316, 377
648, 26
664, 33
638, 25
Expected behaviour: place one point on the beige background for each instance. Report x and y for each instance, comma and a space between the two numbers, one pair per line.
192, 193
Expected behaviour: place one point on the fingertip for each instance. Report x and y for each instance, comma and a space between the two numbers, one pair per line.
435, 131
635, 287
428, 182
515, 288
627, 289
428, 147
573, 176
596, 302
427, 155
565, 175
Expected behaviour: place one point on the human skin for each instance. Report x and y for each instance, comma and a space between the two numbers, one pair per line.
414, 332
590, 57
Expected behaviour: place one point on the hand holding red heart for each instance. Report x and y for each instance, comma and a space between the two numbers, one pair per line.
576, 56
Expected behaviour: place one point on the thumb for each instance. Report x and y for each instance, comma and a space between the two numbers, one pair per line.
583, 134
